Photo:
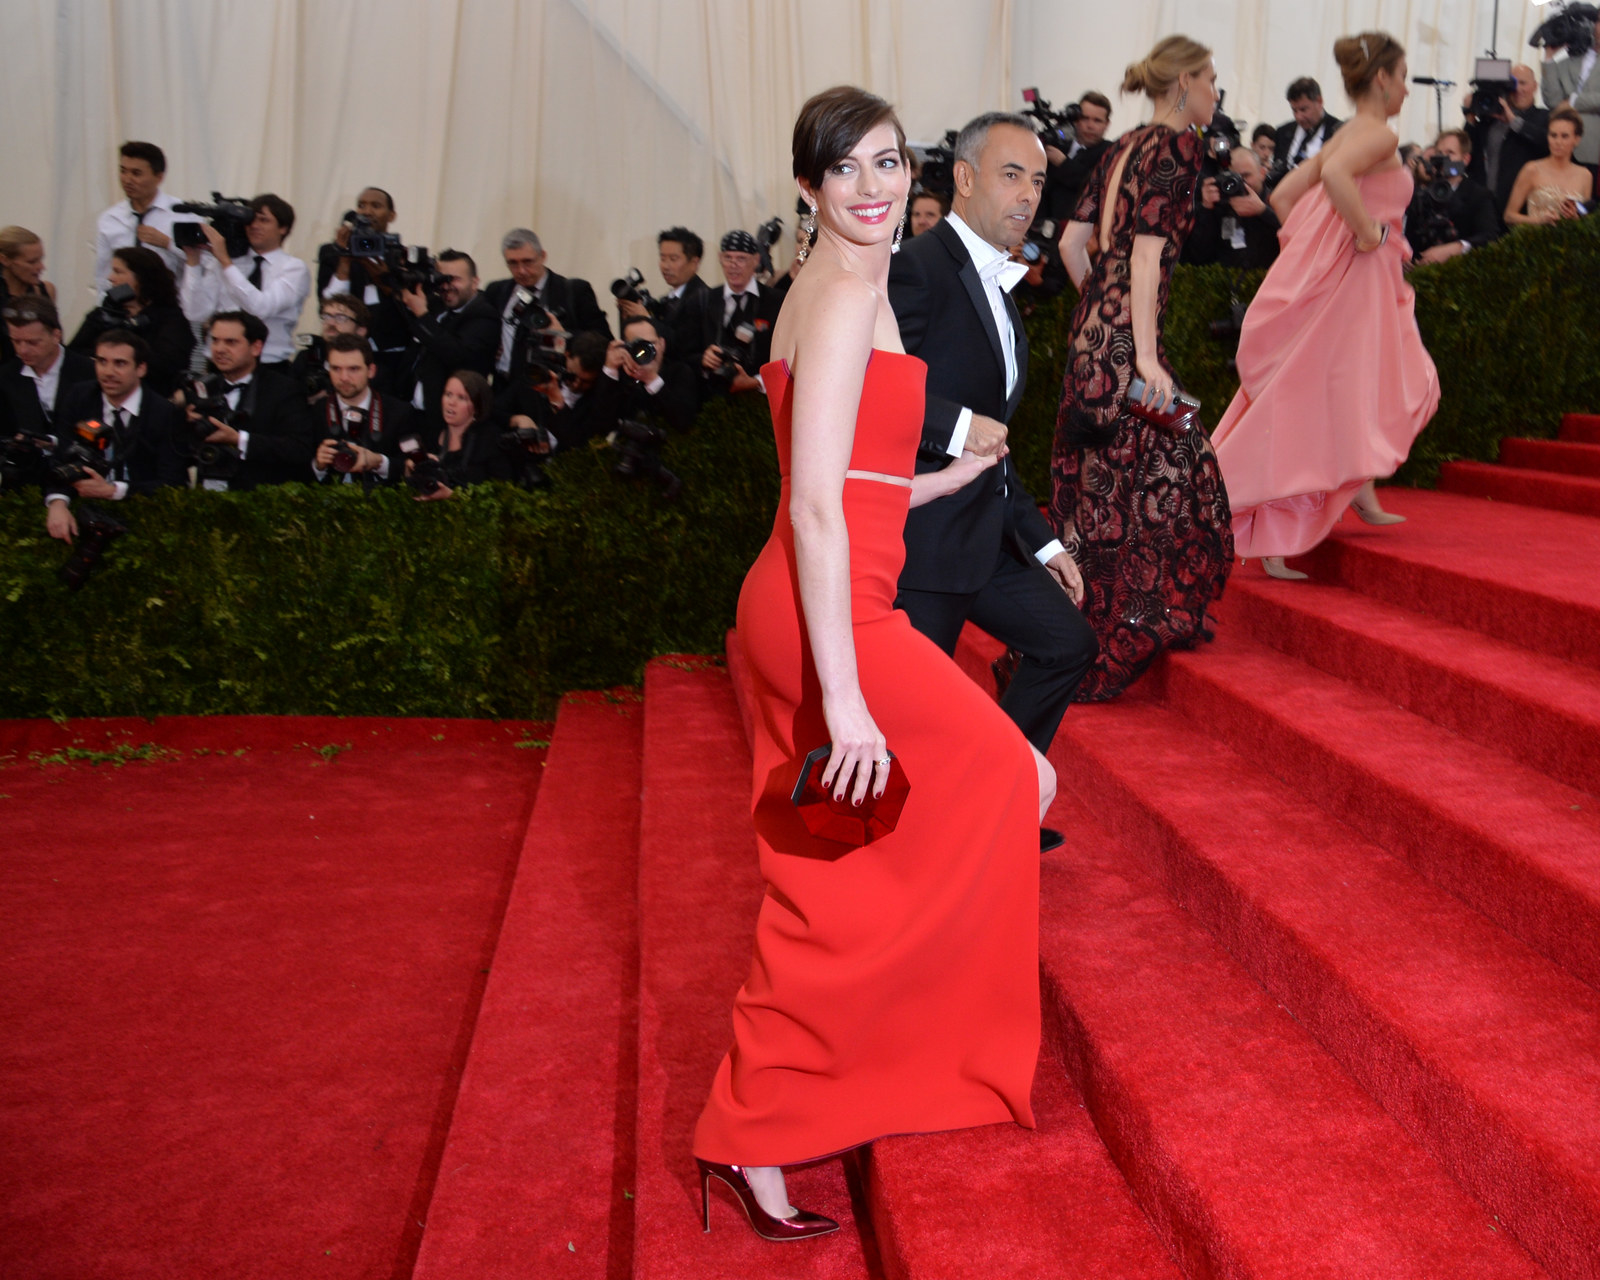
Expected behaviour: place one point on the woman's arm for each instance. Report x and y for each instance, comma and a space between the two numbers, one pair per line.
1146, 266
1526, 177
830, 365
1295, 184
958, 475
1075, 251
1362, 150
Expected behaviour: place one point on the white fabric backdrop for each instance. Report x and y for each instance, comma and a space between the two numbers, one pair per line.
595, 122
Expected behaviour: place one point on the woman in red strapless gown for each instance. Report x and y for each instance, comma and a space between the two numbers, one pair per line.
895, 986
1334, 382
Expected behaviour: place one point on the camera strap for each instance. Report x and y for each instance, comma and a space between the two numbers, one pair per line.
333, 411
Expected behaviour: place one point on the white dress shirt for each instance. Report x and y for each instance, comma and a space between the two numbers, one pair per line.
108, 412
991, 264
47, 385
508, 323
1311, 147
285, 285
118, 228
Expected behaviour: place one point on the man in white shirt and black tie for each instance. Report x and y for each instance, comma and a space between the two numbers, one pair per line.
145, 217
140, 454
269, 282
731, 327
1303, 136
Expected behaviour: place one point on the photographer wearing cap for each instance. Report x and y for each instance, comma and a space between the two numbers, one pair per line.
270, 282
570, 302
34, 381
363, 276
361, 427
1237, 231
144, 217
731, 327
1450, 214
256, 417
453, 329
1574, 81
143, 298
1505, 135
127, 441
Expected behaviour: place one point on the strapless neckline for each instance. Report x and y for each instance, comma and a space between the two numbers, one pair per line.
783, 363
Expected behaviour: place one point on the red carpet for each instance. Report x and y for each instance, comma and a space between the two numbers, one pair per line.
239, 987
1561, 475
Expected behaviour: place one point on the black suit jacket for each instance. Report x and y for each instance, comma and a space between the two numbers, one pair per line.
1522, 144
388, 328
944, 317
1471, 212
446, 341
146, 458
282, 442
167, 331
676, 312
20, 412
1285, 139
1207, 246
702, 324
396, 422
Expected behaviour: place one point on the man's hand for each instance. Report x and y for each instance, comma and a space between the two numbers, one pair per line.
712, 359
1443, 252
522, 422
985, 436
1055, 155
743, 381
92, 486
1249, 205
644, 374
60, 523
223, 434
217, 245
1061, 568
150, 236
438, 495
1210, 193
416, 301
631, 310
616, 355
325, 452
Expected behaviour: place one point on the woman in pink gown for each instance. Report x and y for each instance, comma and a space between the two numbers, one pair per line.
1335, 383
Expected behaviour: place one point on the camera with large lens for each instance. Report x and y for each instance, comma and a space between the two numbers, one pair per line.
1056, 129
638, 447
738, 354
1571, 28
366, 241
344, 433
526, 448
1222, 136
95, 531
81, 454
630, 288
413, 267
538, 332
938, 177
767, 235
22, 459
641, 351
213, 459
1491, 81
113, 313
426, 475
1428, 221
229, 216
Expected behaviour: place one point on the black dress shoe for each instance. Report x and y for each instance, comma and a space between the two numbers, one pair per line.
1050, 838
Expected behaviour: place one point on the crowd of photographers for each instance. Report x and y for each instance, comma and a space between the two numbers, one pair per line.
190, 372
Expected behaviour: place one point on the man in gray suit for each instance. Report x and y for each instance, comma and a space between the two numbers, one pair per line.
1573, 82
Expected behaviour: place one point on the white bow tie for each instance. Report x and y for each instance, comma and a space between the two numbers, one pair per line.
1005, 273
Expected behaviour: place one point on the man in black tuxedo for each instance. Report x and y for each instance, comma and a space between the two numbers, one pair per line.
140, 454
1070, 170
366, 277
33, 383
455, 329
985, 552
1303, 136
272, 441
678, 254
570, 301
361, 428
730, 329
1466, 221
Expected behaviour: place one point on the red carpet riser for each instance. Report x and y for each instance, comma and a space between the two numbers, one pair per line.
1561, 474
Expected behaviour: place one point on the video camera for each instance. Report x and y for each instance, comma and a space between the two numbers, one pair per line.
1056, 129
229, 216
938, 167
366, 241
1571, 28
1491, 81
638, 447
80, 455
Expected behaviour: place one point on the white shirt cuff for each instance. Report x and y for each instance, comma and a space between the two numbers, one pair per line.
612, 374
383, 466
958, 437
57, 497
1050, 550
244, 444
653, 387
121, 490
336, 285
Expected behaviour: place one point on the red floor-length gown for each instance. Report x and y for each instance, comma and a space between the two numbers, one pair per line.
895, 987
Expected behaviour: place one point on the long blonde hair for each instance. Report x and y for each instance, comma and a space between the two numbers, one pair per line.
1160, 69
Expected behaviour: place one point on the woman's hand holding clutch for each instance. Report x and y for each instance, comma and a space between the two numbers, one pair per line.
860, 756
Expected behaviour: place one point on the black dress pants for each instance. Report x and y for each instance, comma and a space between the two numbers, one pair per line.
1024, 608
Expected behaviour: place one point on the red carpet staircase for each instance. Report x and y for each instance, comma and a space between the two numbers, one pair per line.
1320, 960
1561, 474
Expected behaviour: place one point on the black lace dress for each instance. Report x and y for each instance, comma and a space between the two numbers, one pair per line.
1142, 510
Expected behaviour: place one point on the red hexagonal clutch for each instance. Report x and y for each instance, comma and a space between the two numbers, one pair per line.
839, 820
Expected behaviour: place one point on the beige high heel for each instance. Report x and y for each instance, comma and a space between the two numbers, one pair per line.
1374, 513
1276, 568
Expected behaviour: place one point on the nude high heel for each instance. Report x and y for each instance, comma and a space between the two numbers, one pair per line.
799, 1226
1374, 513
1276, 568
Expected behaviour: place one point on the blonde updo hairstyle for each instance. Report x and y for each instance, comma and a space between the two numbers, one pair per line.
1160, 70
14, 239
1361, 57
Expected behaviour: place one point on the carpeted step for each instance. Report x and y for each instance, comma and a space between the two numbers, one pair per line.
1250, 1150
1518, 574
538, 1162
1483, 1050
1536, 709
1567, 457
1552, 490
699, 890
1522, 849
1581, 428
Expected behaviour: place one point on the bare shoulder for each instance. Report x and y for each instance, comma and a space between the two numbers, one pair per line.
826, 308
1361, 144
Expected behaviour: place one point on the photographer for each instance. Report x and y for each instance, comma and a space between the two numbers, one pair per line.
465, 448
361, 427
35, 380
1069, 170
144, 217
455, 329
143, 298
1505, 136
340, 313
678, 254
130, 445
1239, 231
570, 302
731, 327
661, 388
255, 416
270, 282
1573, 81
1264, 142
1303, 136
1450, 214
363, 275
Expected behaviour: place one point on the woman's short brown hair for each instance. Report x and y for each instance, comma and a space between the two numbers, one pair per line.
831, 123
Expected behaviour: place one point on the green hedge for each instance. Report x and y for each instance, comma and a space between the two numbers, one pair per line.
316, 601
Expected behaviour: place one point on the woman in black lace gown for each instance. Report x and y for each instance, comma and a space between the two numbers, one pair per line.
1141, 509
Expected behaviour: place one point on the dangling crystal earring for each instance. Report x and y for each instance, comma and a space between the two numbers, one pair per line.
899, 231
808, 225
1183, 100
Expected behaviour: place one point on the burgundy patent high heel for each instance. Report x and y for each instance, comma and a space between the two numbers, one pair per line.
802, 1226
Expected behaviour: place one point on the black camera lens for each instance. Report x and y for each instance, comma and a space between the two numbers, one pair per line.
641, 351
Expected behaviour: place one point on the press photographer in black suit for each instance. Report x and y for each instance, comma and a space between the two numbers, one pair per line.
273, 436
455, 329
662, 390
1241, 231
1466, 220
678, 254
1070, 170
1303, 136
366, 278
1505, 137
985, 553
731, 327
361, 427
143, 298
570, 301
140, 454
33, 382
